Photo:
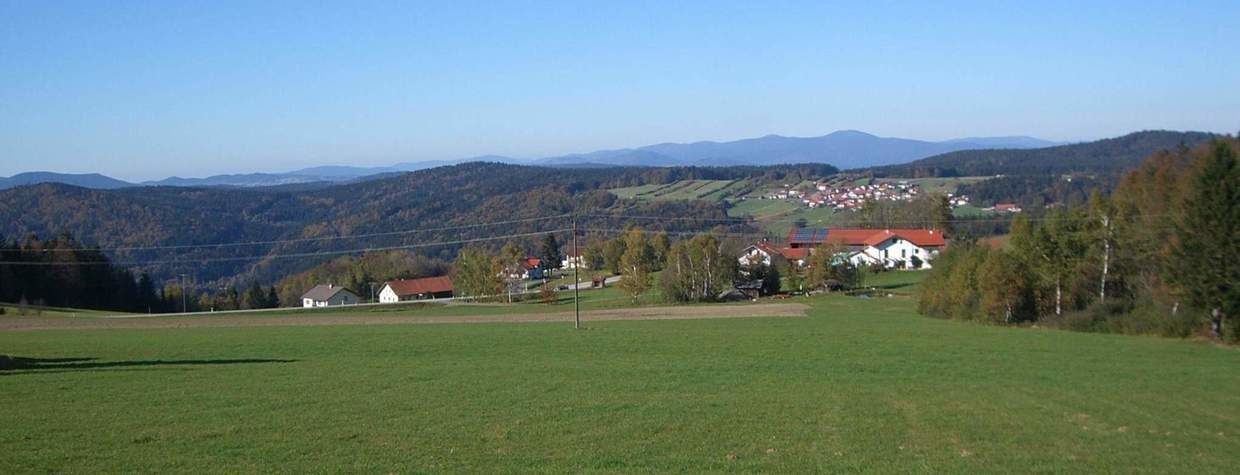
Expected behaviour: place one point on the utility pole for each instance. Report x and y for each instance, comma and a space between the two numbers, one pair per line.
576, 260
182, 293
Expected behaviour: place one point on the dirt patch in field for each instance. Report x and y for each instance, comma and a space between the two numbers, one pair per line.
651, 313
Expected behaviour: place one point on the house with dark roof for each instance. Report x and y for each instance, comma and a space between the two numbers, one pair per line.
416, 289
328, 295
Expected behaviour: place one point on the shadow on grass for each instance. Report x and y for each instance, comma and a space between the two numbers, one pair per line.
9, 363
894, 286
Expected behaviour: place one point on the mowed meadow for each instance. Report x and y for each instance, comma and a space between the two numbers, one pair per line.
857, 385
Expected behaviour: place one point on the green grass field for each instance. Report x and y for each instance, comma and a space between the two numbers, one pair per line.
777, 216
859, 385
971, 211
707, 190
938, 184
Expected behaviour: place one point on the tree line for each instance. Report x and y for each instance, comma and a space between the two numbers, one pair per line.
701, 267
1158, 256
58, 272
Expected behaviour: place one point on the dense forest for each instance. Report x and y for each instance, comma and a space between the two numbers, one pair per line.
1034, 191
58, 272
167, 231
1110, 157
1157, 256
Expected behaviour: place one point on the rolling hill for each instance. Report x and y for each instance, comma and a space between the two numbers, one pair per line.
86, 180
844, 149
1107, 156
312, 219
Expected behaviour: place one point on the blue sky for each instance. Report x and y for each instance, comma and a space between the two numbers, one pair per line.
149, 89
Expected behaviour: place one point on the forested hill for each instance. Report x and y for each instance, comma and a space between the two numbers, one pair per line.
461, 195
1105, 157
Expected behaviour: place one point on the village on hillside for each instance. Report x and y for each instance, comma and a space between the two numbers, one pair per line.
847, 193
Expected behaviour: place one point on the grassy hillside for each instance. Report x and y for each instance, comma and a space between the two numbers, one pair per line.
860, 385
706, 190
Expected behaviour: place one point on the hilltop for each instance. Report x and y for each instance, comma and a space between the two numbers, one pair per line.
1106, 156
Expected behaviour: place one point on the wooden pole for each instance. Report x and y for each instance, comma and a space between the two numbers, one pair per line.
576, 260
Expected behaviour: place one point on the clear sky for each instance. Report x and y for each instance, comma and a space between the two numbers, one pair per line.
144, 90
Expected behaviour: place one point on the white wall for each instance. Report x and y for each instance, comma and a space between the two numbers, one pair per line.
897, 249
755, 255
341, 298
387, 295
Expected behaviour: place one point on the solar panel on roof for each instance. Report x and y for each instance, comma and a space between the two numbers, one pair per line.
809, 235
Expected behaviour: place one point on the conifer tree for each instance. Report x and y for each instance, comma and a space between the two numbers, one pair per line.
1208, 241
550, 257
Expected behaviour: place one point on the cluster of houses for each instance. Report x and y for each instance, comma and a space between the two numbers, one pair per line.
909, 249
429, 288
1005, 208
852, 197
887, 248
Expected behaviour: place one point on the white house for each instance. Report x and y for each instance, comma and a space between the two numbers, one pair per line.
416, 289
328, 295
765, 254
892, 248
760, 253
571, 262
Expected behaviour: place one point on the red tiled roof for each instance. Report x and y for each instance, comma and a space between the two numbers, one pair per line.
870, 237
531, 263
795, 254
429, 285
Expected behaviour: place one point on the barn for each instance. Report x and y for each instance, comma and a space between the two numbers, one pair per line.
404, 290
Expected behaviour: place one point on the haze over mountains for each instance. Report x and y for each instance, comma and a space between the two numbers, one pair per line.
843, 149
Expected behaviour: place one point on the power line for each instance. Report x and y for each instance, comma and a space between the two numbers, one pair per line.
281, 256
670, 218
675, 233
282, 241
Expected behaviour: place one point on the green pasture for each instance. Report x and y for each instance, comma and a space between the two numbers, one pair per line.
860, 385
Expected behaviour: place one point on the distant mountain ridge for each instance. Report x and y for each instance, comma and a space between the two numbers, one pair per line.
85, 180
844, 149
1107, 156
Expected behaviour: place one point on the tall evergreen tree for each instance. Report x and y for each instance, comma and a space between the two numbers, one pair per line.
273, 298
255, 297
1208, 241
550, 257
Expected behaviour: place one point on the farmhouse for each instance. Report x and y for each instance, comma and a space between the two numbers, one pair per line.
416, 289
1009, 207
765, 253
328, 295
571, 262
892, 248
533, 268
